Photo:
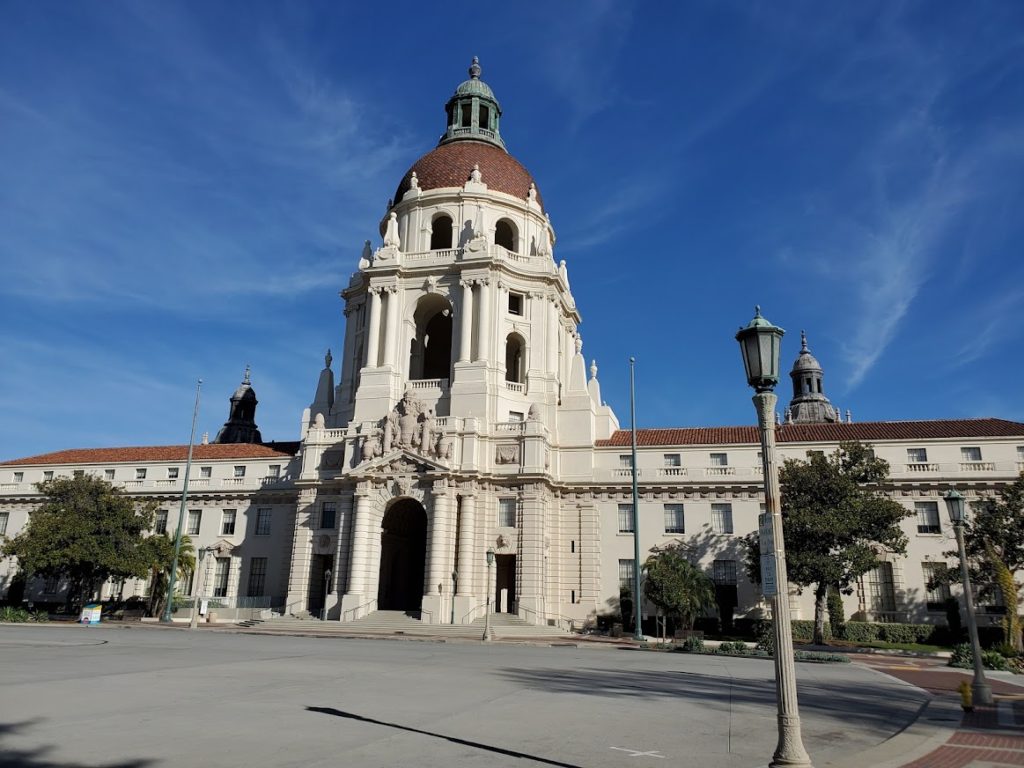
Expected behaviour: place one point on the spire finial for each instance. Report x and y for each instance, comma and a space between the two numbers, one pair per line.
757, 310
474, 68
328, 358
593, 369
245, 379
803, 341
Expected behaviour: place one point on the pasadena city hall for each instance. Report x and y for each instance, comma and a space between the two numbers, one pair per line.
464, 419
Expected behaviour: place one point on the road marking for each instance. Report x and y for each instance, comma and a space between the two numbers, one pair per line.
638, 753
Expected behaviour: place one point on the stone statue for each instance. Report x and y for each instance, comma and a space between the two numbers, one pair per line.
475, 176
428, 426
328, 359
371, 445
562, 271
414, 183
532, 194
391, 239
444, 447
367, 255
578, 342
534, 413
407, 421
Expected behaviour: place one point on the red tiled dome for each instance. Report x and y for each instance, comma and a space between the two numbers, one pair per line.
450, 165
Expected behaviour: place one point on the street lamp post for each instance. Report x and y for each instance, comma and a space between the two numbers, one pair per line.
759, 343
488, 637
637, 598
327, 591
956, 505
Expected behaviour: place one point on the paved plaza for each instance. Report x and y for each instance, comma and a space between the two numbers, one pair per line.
77, 696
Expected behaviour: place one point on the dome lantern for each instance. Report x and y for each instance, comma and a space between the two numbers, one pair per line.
473, 111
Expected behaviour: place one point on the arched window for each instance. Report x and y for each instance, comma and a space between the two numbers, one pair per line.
515, 353
485, 118
505, 235
431, 350
441, 233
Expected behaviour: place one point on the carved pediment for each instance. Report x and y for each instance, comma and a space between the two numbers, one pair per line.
401, 462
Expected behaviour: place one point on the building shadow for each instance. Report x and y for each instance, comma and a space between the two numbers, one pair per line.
886, 708
39, 757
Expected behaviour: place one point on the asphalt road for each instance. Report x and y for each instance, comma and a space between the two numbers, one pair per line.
76, 696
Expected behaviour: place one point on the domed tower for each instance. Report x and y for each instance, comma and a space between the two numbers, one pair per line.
241, 424
463, 301
809, 404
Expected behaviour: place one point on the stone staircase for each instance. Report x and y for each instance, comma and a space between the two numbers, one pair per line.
504, 626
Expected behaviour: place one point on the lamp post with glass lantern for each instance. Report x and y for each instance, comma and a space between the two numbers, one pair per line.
956, 505
193, 621
327, 591
488, 637
759, 343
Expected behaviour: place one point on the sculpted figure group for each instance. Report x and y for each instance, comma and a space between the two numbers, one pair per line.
408, 426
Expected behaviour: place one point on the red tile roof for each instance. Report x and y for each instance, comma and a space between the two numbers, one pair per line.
450, 165
810, 433
143, 454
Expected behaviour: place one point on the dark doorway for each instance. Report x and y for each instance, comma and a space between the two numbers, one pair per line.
403, 549
505, 579
318, 586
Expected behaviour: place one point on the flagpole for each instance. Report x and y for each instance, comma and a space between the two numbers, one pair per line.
637, 599
169, 607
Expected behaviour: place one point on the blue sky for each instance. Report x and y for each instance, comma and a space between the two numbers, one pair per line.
184, 187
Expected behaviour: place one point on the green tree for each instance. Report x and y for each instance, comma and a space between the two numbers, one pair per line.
994, 543
85, 531
158, 552
835, 521
678, 587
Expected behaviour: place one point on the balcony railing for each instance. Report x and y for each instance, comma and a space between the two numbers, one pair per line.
977, 466
514, 386
719, 471
513, 427
672, 472
922, 466
441, 384
232, 482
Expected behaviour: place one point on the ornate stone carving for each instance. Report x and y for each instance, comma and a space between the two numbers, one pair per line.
534, 413
507, 454
391, 239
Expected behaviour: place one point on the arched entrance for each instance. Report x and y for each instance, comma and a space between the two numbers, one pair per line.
403, 549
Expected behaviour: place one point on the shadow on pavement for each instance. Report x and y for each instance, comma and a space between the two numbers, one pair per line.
37, 756
863, 703
452, 739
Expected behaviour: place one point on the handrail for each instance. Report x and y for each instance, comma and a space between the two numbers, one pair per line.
557, 617
357, 608
474, 609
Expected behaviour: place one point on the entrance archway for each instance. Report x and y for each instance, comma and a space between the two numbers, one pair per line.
403, 552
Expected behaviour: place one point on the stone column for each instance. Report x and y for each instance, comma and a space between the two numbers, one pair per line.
466, 332
359, 559
552, 341
373, 330
483, 333
438, 579
302, 553
531, 556
467, 544
391, 328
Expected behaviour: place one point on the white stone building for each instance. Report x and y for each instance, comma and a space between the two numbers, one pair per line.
463, 421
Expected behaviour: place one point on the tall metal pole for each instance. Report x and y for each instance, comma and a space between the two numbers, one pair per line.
981, 691
168, 609
488, 637
790, 750
637, 599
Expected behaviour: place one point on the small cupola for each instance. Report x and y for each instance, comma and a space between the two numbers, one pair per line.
473, 111
241, 424
809, 404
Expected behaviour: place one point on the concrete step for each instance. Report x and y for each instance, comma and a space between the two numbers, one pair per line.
503, 625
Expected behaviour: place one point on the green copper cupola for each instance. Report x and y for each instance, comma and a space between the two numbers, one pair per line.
473, 112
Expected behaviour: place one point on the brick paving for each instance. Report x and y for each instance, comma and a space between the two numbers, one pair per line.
985, 738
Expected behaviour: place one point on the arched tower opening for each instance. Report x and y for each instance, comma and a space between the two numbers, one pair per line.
515, 358
506, 235
441, 233
431, 348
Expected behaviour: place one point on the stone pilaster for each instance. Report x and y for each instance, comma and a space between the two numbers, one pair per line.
468, 596
302, 553
373, 330
466, 323
437, 589
391, 328
354, 602
531, 555
484, 324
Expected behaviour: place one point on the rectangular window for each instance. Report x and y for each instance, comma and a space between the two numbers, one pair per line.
328, 514
970, 454
917, 455
719, 459
19, 477
723, 572
938, 596
274, 470
673, 460
183, 585
516, 417
172, 473
239, 471
1020, 453
257, 576
220, 577
206, 472
51, 585
160, 521
195, 519
108, 474
626, 461
227, 522
3, 522
515, 304
881, 589
626, 519
927, 516
721, 518
626, 571
674, 519
48, 475
140, 473
263, 521
507, 513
